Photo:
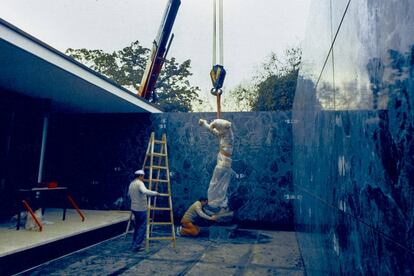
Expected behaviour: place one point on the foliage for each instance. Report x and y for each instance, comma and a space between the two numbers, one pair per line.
126, 67
273, 87
244, 95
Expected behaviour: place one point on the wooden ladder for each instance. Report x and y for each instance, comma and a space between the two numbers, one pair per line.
158, 179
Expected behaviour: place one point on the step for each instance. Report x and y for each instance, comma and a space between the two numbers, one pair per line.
156, 167
21, 260
157, 180
160, 208
159, 142
157, 154
166, 195
161, 238
161, 223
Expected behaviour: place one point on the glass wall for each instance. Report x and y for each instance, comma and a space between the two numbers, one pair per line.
21, 122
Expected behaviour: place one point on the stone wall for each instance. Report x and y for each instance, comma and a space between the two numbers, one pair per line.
353, 139
261, 160
96, 155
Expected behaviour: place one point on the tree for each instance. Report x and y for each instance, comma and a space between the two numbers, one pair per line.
126, 67
244, 95
273, 87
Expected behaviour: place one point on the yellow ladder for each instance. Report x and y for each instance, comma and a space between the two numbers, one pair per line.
158, 179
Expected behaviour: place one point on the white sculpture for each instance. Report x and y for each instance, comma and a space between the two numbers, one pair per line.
219, 183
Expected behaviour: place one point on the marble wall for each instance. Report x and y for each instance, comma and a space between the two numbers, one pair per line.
353, 141
261, 187
101, 152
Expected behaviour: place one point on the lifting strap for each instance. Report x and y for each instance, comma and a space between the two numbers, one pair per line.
218, 73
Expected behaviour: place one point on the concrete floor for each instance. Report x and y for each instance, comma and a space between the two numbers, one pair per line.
12, 241
244, 252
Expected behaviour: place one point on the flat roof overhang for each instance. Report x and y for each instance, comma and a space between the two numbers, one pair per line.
32, 68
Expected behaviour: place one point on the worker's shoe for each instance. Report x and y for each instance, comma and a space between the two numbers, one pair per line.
138, 249
178, 231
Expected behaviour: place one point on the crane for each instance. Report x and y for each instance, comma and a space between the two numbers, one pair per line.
159, 51
162, 44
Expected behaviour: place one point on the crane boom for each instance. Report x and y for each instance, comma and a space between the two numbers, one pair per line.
159, 50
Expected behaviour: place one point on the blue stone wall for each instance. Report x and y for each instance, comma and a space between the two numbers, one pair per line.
353, 141
96, 155
261, 160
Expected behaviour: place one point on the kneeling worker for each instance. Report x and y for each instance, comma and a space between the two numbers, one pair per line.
195, 210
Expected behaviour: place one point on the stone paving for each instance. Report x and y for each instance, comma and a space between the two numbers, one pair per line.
243, 252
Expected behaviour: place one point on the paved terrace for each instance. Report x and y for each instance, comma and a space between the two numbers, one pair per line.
246, 252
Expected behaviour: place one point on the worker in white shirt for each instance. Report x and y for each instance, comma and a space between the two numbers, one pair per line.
138, 194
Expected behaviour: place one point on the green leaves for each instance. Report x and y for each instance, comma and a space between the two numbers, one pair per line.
126, 67
273, 87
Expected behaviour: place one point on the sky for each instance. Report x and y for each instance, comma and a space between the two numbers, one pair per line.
252, 30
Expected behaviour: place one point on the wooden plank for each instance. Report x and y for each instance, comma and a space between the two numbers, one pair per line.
161, 238
164, 138
160, 209
155, 167
147, 242
161, 223
157, 180
158, 154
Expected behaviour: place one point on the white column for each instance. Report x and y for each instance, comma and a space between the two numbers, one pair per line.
43, 148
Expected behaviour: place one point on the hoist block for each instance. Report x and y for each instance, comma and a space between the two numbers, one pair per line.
217, 74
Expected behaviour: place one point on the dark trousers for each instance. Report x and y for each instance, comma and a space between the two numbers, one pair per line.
139, 228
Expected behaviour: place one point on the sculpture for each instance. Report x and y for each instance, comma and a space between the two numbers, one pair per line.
219, 183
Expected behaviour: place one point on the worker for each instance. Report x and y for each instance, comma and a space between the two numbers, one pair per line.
219, 183
188, 228
138, 194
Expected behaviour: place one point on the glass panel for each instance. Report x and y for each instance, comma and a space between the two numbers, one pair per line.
358, 158
318, 40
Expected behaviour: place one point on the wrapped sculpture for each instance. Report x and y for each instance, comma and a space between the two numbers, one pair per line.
219, 183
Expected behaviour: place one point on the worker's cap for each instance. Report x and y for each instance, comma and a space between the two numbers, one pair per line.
139, 172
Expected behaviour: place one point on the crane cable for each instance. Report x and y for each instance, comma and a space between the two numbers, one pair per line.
221, 47
218, 72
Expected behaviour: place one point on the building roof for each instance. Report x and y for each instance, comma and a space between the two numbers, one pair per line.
29, 66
